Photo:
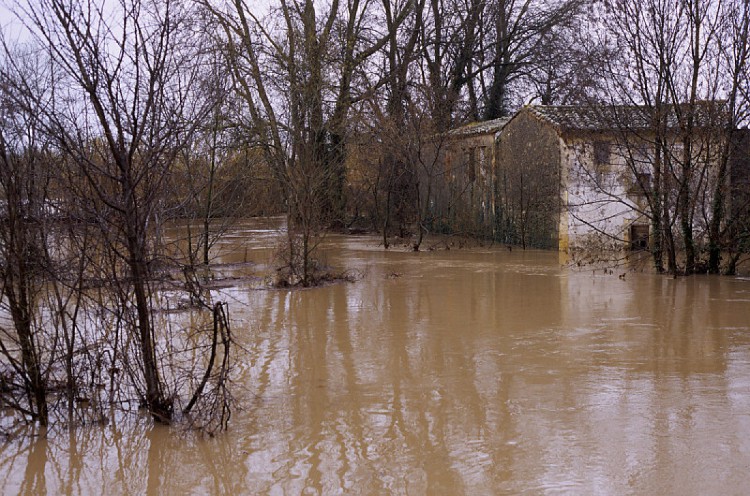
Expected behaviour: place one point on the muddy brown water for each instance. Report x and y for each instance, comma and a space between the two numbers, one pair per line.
476, 371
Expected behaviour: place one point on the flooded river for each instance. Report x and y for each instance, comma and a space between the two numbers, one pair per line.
475, 371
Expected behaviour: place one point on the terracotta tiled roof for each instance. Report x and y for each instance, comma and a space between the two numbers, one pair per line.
476, 128
609, 117
587, 118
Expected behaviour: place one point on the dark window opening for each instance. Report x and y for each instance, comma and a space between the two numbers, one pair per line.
601, 152
639, 237
602, 157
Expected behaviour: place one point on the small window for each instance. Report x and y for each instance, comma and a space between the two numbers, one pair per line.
602, 152
602, 165
482, 161
639, 237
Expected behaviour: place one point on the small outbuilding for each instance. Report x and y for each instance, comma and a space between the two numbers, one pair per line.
468, 191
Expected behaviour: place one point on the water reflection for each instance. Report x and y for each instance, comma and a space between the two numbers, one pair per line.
461, 372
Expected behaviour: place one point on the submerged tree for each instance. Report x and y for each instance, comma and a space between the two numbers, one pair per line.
122, 110
25, 161
123, 78
295, 70
667, 101
730, 206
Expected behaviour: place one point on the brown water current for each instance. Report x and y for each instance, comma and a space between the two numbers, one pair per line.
476, 371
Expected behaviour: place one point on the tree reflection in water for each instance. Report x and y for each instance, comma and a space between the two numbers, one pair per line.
475, 371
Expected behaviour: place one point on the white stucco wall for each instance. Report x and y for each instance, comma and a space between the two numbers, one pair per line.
597, 211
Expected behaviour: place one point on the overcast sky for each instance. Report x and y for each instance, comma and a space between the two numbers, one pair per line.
5, 16
9, 25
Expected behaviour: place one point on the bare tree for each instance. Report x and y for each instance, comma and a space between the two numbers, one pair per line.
208, 185
295, 69
569, 64
120, 117
450, 40
392, 125
479, 58
25, 189
725, 231
515, 41
666, 97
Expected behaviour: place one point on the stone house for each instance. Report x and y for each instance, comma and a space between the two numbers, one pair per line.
572, 178
603, 159
569, 182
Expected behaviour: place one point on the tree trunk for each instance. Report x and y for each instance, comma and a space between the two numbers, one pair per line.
157, 405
